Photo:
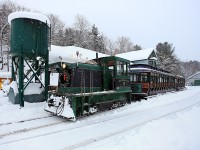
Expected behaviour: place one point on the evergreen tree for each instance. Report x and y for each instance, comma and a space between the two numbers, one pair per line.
137, 47
167, 58
95, 39
102, 47
59, 38
69, 37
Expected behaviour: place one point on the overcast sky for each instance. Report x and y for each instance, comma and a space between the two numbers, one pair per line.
145, 22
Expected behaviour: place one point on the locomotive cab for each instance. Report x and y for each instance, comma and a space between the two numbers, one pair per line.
115, 73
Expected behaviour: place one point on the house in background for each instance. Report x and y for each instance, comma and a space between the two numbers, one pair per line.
145, 56
194, 79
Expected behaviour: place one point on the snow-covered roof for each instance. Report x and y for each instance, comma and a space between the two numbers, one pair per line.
193, 75
150, 70
29, 15
69, 54
137, 55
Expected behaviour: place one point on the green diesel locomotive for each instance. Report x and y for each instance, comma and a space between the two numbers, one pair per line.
79, 89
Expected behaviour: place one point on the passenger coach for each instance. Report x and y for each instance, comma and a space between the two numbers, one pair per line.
147, 80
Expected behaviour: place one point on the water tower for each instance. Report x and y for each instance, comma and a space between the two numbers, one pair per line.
29, 48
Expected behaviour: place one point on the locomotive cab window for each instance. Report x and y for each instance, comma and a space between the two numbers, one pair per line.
111, 65
121, 68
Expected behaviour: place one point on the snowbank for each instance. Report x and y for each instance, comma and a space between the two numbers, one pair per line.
175, 131
179, 131
32, 88
12, 113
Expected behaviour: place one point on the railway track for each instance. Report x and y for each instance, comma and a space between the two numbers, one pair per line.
62, 121
30, 121
89, 123
2, 135
99, 138
28, 129
21, 121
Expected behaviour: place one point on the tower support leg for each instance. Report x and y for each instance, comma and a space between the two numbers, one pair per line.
21, 81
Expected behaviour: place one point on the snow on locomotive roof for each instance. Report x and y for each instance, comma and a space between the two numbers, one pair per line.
137, 55
69, 54
30, 15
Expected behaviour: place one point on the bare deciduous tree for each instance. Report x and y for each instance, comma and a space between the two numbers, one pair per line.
82, 26
6, 8
57, 29
124, 44
189, 68
111, 46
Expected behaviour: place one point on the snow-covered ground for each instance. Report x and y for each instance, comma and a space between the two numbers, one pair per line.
168, 121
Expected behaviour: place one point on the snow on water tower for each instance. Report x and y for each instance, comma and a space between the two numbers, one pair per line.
29, 50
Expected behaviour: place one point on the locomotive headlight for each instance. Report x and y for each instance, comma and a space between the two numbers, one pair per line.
64, 65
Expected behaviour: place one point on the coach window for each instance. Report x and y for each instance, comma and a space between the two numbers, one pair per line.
135, 77
152, 78
138, 77
144, 77
132, 77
